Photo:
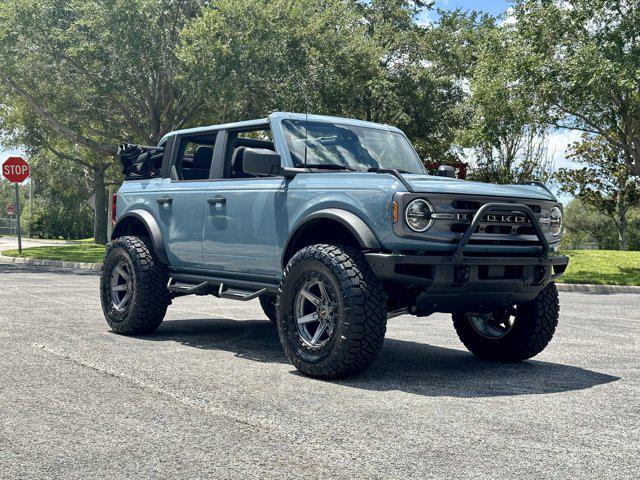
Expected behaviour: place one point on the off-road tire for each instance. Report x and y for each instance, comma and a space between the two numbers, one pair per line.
361, 316
533, 329
150, 297
268, 304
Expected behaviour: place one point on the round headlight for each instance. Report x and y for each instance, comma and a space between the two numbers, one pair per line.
555, 221
418, 215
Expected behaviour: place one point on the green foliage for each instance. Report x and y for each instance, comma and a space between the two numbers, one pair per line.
504, 129
582, 58
61, 190
258, 56
606, 183
585, 226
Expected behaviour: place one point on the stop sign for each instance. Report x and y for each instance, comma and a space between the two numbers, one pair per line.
15, 169
10, 210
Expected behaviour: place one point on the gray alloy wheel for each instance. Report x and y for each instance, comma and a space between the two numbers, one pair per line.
121, 286
493, 325
315, 312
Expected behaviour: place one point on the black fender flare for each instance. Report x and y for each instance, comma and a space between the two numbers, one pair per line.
151, 225
360, 230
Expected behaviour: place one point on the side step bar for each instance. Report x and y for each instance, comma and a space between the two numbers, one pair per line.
239, 294
207, 288
187, 289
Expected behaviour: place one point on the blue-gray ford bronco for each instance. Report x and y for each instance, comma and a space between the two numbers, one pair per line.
335, 226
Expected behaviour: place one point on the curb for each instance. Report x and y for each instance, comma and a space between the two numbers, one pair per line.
601, 289
96, 267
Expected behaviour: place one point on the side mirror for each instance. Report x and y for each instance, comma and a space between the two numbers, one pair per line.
446, 171
260, 161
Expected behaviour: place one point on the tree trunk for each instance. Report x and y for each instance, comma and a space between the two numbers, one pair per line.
100, 214
622, 232
621, 223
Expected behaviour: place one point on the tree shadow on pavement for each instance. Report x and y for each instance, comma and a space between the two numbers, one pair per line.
402, 365
20, 268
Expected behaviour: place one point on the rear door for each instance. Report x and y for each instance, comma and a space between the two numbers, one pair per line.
181, 198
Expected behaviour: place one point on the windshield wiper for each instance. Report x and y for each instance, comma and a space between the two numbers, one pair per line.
396, 173
329, 166
386, 170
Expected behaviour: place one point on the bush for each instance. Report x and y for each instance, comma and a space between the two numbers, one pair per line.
61, 218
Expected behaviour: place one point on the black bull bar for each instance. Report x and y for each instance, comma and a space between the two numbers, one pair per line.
385, 265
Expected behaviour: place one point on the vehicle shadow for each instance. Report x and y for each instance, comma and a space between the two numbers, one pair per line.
402, 365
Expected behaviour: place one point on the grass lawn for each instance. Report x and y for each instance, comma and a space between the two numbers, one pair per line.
603, 267
81, 252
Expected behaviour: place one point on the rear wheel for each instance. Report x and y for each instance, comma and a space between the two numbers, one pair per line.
331, 311
133, 287
268, 304
514, 333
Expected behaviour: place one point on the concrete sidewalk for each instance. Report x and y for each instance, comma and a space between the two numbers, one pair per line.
11, 243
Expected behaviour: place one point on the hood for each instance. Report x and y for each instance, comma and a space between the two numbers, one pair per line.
434, 184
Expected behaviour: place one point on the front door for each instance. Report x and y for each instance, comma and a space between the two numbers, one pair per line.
240, 228
240, 225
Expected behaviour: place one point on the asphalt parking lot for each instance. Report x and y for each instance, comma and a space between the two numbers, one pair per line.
211, 395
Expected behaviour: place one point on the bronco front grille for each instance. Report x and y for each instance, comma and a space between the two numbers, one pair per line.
504, 223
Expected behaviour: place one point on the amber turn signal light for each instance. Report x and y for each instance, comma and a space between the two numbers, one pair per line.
395, 211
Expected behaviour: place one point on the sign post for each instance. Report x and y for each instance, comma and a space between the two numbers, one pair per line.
18, 219
16, 170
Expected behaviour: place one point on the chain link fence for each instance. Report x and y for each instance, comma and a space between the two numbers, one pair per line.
8, 226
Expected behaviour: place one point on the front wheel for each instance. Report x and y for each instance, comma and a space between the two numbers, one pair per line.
331, 311
513, 333
133, 287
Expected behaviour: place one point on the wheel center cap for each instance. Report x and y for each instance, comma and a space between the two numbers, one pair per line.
323, 311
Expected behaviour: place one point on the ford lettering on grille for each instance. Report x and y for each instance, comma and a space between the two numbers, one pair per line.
495, 218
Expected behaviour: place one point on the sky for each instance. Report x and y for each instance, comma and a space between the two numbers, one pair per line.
494, 7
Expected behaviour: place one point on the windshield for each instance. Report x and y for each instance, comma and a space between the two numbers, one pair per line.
352, 148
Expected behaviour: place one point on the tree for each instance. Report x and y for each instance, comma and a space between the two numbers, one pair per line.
78, 77
504, 130
437, 83
61, 189
583, 224
256, 56
367, 60
582, 58
607, 183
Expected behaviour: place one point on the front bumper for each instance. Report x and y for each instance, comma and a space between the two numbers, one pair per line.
470, 284
465, 283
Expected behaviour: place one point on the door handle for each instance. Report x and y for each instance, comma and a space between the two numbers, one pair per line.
217, 201
164, 200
